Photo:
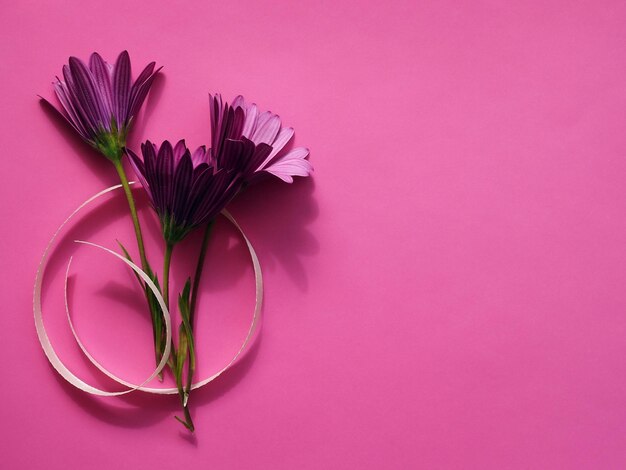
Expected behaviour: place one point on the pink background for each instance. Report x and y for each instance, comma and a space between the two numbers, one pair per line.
448, 291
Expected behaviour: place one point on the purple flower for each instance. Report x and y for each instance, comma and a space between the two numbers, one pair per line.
187, 189
100, 100
262, 134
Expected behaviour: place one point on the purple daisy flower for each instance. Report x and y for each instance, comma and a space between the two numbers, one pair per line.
99, 100
187, 189
262, 133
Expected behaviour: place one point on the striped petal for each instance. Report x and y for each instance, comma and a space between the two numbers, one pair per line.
83, 116
72, 115
165, 172
140, 171
182, 185
139, 93
149, 152
121, 87
179, 150
294, 163
260, 154
267, 130
94, 96
252, 114
86, 89
283, 138
102, 77
199, 156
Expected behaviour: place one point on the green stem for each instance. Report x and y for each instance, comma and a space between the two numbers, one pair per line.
198, 274
117, 162
191, 366
188, 422
133, 211
169, 248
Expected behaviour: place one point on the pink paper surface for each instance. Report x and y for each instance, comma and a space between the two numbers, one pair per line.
447, 291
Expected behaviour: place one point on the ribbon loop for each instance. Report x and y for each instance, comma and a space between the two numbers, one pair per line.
70, 377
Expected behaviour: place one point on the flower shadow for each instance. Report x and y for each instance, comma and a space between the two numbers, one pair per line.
129, 294
282, 234
275, 217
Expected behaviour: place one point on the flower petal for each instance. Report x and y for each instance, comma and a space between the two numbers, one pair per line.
239, 117
84, 90
179, 151
201, 177
283, 138
148, 150
146, 73
83, 116
294, 163
102, 78
221, 188
237, 155
217, 115
259, 155
121, 87
165, 173
199, 156
252, 114
71, 115
181, 185
139, 93
267, 129
140, 171
239, 101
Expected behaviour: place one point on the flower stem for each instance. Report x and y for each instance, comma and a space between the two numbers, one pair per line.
185, 345
184, 395
133, 211
169, 248
198, 274
188, 422
156, 324
191, 366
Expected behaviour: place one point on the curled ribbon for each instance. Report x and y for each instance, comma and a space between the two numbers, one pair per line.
70, 377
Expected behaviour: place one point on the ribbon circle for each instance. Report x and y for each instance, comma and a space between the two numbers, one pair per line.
70, 377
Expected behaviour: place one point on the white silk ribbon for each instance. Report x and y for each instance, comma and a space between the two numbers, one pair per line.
80, 384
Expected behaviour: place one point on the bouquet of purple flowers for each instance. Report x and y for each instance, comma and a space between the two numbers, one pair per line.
187, 189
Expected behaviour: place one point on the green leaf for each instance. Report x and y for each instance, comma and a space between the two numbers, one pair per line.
153, 305
181, 357
183, 306
129, 258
